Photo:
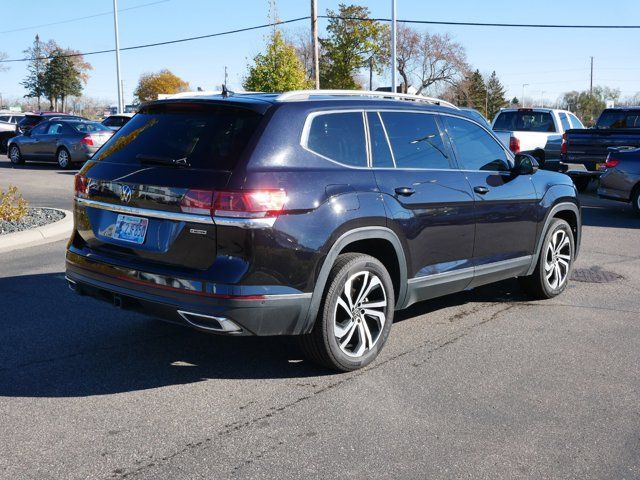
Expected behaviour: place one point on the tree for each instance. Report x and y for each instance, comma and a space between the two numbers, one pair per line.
61, 79
278, 69
515, 101
3, 67
495, 96
588, 106
353, 42
34, 81
426, 59
151, 84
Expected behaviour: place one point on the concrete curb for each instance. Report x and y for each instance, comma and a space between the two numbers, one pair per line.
38, 236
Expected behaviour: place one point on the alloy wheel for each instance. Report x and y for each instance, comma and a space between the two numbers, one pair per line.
14, 155
360, 313
63, 158
557, 259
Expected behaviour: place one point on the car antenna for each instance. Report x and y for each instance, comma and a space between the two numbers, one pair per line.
225, 91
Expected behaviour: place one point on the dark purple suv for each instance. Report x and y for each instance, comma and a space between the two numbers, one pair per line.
315, 214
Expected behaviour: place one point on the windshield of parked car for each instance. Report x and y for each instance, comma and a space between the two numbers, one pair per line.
88, 127
525, 121
619, 119
206, 136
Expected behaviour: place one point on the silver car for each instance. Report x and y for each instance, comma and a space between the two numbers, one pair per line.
63, 141
621, 179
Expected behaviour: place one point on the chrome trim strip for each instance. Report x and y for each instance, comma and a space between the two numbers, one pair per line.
146, 212
180, 217
461, 274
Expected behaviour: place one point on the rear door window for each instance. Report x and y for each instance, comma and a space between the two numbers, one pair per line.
207, 136
565, 121
475, 148
525, 121
619, 119
381, 156
416, 140
339, 137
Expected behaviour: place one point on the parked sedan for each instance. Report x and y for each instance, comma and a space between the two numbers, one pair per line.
63, 141
116, 122
621, 178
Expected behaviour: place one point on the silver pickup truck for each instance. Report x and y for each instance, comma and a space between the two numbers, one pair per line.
8, 127
537, 131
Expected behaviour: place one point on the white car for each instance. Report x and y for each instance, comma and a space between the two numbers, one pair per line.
8, 127
117, 121
537, 131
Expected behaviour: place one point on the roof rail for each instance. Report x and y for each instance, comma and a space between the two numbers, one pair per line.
306, 94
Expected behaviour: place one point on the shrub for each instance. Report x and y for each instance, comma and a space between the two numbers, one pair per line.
12, 206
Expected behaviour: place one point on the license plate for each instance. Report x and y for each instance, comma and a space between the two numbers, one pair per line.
130, 229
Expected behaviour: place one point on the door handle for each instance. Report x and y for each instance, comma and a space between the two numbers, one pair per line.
405, 191
480, 189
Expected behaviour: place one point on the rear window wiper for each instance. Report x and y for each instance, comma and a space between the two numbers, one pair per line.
160, 160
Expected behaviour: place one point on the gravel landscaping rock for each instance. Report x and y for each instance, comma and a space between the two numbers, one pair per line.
37, 217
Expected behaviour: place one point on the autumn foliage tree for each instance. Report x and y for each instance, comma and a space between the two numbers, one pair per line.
152, 84
278, 69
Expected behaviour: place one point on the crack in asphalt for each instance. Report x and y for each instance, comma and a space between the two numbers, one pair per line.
234, 427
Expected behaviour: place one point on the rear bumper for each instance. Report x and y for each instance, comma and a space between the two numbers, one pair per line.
193, 304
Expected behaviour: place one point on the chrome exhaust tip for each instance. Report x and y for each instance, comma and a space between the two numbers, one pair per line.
211, 323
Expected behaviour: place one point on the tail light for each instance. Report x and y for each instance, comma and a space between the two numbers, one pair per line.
81, 185
240, 204
514, 144
563, 147
611, 162
87, 140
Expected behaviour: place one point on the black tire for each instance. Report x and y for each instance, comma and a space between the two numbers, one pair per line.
635, 199
61, 154
581, 183
322, 345
15, 157
538, 284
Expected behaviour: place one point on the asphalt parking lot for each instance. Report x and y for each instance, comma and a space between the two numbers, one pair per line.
484, 384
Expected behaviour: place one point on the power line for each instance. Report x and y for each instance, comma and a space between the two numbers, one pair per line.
481, 24
168, 42
76, 19
299, 19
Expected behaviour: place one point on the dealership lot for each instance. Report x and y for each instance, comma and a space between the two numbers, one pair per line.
484, 384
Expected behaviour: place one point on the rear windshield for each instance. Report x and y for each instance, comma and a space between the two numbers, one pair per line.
89, 127
619, 119
209, 137
525, 121
30, 120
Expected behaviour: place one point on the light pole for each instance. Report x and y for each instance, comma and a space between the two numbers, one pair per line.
314, 43
115, 27
393, 47
523, 87
542, 98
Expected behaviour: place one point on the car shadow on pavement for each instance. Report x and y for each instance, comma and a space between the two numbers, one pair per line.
38, 166
55, 343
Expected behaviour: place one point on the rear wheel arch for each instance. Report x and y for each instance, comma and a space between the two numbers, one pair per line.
377, 241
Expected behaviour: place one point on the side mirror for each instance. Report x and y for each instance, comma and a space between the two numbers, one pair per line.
525, 164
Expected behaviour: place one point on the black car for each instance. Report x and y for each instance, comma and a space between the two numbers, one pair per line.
30, 120
313, 213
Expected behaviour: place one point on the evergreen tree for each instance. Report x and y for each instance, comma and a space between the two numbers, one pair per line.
495, 96
477, 92
34, 82
61, 79
278, 69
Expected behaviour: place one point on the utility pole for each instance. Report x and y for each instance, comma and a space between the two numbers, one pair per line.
314, 43
115, 27
226, 77
542, 98
393, 47
591, 80
523, 87
370, 73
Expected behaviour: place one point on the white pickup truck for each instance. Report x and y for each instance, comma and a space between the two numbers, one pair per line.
537, 131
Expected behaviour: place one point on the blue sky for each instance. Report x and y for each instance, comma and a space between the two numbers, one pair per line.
550, 61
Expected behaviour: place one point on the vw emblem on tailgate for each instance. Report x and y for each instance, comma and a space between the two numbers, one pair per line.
125, 194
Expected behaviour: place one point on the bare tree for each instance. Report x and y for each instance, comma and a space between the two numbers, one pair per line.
304, 49
429, 59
